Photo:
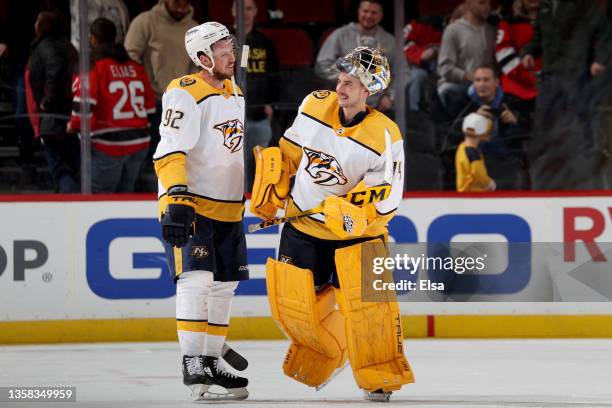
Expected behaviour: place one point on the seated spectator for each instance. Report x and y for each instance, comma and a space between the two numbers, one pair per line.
120, 97
114, 10
466, 44
422, 42
48, 77
471, 170
365, 32
261, 88
503, 151
518, 83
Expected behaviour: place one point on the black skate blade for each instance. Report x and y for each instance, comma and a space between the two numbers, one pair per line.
235, 360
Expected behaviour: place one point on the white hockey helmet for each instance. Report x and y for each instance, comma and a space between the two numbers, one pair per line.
200, 39
369, 66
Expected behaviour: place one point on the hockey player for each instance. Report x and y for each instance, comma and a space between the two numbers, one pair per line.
336, 144
200, 166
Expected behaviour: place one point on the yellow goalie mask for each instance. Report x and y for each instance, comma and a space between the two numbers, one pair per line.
369, 66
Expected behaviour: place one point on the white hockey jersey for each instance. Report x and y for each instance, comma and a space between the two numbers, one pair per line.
332, 159
202, 137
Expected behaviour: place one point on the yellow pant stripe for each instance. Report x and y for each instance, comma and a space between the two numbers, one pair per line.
217, 330
178, 261
199, 327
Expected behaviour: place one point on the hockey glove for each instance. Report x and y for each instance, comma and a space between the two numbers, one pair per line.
178, 221
344, 219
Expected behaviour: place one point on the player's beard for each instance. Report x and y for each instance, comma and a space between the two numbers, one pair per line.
222, 76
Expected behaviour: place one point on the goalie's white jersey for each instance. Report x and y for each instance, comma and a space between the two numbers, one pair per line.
332, 159
202, 136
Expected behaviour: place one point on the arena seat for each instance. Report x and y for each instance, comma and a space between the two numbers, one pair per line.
293, 46
311, 11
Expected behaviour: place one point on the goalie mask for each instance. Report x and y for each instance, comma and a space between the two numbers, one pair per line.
369, 66
200, 39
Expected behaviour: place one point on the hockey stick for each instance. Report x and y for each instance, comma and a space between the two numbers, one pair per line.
358, 198
233, 358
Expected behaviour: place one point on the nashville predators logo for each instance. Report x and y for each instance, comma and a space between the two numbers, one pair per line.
233, 134
324, 168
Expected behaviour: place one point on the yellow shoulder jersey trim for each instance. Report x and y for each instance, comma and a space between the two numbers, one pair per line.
322, 106
199, 89
371, 132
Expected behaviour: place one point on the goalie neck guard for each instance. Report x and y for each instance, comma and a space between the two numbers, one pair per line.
369, 66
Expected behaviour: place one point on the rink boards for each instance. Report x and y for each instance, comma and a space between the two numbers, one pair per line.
93, 268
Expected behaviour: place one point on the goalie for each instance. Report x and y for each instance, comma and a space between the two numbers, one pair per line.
336, 145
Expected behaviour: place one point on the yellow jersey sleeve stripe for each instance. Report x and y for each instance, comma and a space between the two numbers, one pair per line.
170, 169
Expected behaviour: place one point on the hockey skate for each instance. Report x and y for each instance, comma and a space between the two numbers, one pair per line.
221, 385
378, 395
194, 376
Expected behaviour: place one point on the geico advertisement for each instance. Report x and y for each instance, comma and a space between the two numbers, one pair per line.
105, 259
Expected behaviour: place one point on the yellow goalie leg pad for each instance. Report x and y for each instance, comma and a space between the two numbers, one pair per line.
311, 321
373, 327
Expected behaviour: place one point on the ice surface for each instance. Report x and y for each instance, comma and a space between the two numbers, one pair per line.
449, 373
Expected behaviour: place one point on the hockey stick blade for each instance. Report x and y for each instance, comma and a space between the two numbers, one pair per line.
235, 360
358, 198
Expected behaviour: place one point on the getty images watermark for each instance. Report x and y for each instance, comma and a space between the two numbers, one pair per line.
411, 265
487, 272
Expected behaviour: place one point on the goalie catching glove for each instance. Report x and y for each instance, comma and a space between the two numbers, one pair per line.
271, 185
178, 221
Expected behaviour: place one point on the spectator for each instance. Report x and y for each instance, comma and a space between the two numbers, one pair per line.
518, 83
156, 39
422, 39
470, 167
261, 88
365, 32
503, 151
120, 97
48, 75
573, 38
466, 44
114, 10
17, 35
